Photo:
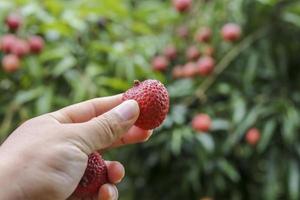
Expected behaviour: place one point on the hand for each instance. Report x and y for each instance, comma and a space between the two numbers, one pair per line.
46, 157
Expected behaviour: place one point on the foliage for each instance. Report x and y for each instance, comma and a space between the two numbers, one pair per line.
255, 84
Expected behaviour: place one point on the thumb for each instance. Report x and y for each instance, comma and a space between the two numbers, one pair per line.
100, 132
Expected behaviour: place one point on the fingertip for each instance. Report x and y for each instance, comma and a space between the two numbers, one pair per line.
108, 192
116, 171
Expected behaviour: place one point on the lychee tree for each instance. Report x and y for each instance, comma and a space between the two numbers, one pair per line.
250, 81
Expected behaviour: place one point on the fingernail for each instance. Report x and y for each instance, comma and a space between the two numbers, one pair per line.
127, 110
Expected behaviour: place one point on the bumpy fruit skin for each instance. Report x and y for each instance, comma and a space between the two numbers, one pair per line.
36, 44
206, 65
201, 122
94, 177
13, 22
204, 34
182, 5
7, 42
153, 100
192, 53
231, 32
253, 136
160, 63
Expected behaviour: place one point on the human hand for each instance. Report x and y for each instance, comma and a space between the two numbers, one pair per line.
46, 156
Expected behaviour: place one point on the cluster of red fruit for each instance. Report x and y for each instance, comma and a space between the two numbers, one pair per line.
15, 47
202, 123
198, 62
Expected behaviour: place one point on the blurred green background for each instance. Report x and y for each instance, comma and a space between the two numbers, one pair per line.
97, 48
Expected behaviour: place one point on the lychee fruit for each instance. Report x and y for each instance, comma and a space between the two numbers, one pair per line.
20, 48
189, 70
177, 72
170, 52
203, 35
10, 63
7, 42
94, 177
182, 31
205, 65
253, 136
192, 53
13, 21
160, 63
182, 5
209, 51
231, 32
36, 44
153, 100
201, 122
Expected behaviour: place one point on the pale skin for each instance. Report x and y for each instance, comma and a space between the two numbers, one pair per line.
46, 156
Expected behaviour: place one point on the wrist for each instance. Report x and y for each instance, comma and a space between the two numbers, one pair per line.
9, 184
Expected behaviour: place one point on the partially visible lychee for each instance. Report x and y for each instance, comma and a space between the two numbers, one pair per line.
253, 136
231, 32
160, 63
189, 70
13, 21
7, 42
170, 52
192, 53
203, 35
182, 31
205, 65
10, 63
177, 72
201, 122
20, 48
153, 100
209, 51
36, 44
94, 177
182, 5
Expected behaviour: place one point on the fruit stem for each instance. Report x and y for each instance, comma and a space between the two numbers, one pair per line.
136, 82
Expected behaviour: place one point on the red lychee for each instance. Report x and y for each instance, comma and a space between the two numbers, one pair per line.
253, 136
160, 63
201, 122
10, 63
231, 32
153, 100
205, 65
192, 53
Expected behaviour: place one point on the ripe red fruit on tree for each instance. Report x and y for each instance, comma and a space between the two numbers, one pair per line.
182, 5
20, 48
94, 177
203, 35
160, 63
177, 72
253, 136
10, 63
201, 122
192, 53
170, 52
153, 100
36, 44
13, 21
189, 70
182, 31
7, 42
205, 65
209, 51
231, 32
